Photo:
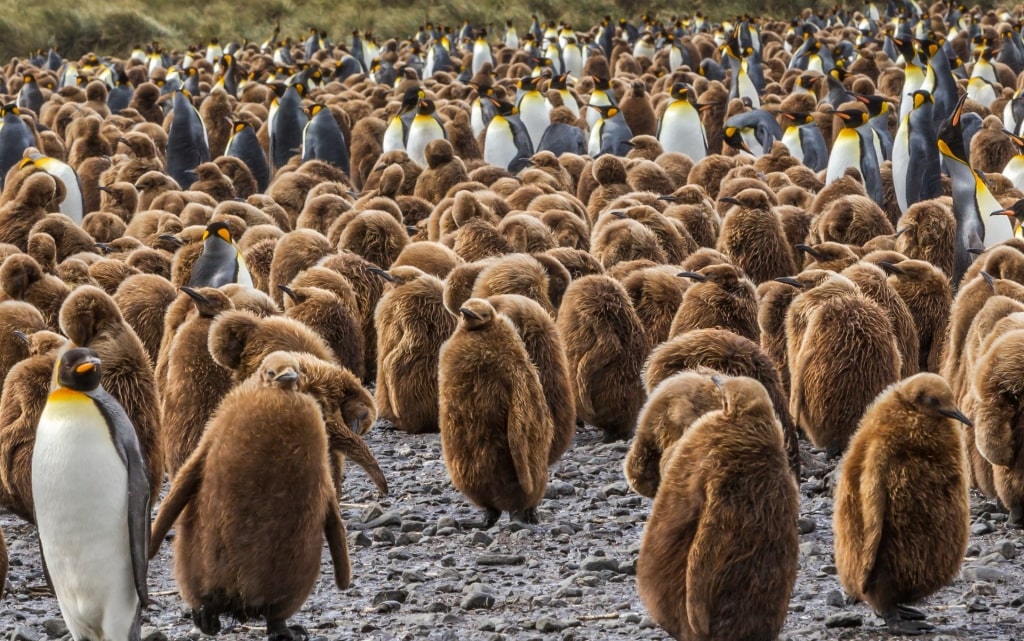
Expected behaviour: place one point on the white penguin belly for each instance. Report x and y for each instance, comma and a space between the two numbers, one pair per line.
80, 488
682, 132
901, 164
393, 136
533, 112
845, 154
424, 129
476, 118
791, 138
597, 99
1014, 170
499, 146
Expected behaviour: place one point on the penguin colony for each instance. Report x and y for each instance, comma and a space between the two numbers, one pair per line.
712, 239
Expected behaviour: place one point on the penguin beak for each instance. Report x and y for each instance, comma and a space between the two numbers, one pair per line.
104, 248
900, 232
411, 230
629, 143
807, 249
668, 198
88, 366
989, 279
172, 238
105, 189
618, 214
383, 274
287, 376
21, 336
468, 313
194, 295
706, 106
958, 415
789, 280
288, 292
889, 268
728, 199
1004, 212
693, 276
717, 380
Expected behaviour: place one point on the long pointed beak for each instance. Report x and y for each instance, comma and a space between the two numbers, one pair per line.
468, 313
958, 415
789, 280
194, 295
383, 274
807, 249
692, 275
889, 268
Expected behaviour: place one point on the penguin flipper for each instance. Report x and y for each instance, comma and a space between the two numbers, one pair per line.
334, 532
126, 441
185, 487
348, 442
525, 433
864, 472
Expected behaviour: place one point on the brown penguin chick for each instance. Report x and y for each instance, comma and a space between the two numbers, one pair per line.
514, 274
26, 388
998, 420
43, 249
647, 175
693, 573
606, 346
645, 147
410, 169
89, 172
567, 229
16, 316
67, 235
496, 429
295, 251
656, 293
610, 174
1005, 260
152, 185
831, 256
376, 236
709, 174
210, 180
624, 240
109, 273
240, 340
927, 293
478, 239
242, 180
906, 453
673, 237
19, 215
577, 262
673, 406
320, 212
194, 384
74, 272
430, 257
544, 346
774, 299
846, 357
222, 520
526, 233
368, 288
753, 238
120, 199
144, 101
851, 220
412, 323
103, 226
367, 134
444, 170
21, 279
216, 109
872, 282
637, 110
151, 261
90, 318
991, 149
722, 297
927, 232
143, 300
324, 312
140, 167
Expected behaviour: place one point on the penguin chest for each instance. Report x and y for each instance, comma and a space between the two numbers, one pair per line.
424, 129
499, 144
476, 118
846, 153
80, 489
791, 138
533, 112
594, 144
682, 131
394, 136
1014, 170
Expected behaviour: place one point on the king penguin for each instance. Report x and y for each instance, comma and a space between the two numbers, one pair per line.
424, 129
481, 109
481, 52
322, 139
914, 74
244, 145
73, 205
600, 96
286, 122
187, 145
854, 146
680, 128
533, 109
506, 143
1014, 169
805, 141
561, 85
91, 495
972, 199
610, 135
916, 172
15, 138
30, 96
220, 263
398, 126
753, 131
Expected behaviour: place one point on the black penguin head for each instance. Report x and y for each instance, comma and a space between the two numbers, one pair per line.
426, 107
798, 117
504, 108
680, 91
79, 369
852, 118
951, 139
411, 98
218, 229
527, 83
606, 111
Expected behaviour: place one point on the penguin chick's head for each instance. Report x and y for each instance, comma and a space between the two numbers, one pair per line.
279, 369
79, 369
743, 396
219, 229
476, 313
931, 395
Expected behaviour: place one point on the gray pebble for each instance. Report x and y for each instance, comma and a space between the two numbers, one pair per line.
982, 527
500, 559
844, 620
55, 628
835, 599
599, 563
390, 595
1007, 548
387, 519
22, 634
477, 601
806, 525
983, 573
549, 624
149, 633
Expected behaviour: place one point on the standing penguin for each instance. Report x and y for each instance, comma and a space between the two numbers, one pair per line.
398, 127
244, 145
220, 263
804, 140
753, 132
322, 139
425, 128
680, 128
534, 109
610, 134
187, 145
507, 142
855, 147
915, 156
15, 137
907, 453
29, 96
286, 122
496, 428
753, 237
91, 496
73, 205
716, 563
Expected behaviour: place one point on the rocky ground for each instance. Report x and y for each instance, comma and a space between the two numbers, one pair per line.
417, 574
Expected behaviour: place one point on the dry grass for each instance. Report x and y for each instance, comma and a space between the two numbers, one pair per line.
113, 27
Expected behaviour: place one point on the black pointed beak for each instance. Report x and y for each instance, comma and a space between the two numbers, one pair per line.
889, 268
618, 214
958, 415
287, 376
789, 280
976, 251
194, 295
807, 249
728, 199
989, 279
172, 238
669, 198
288, 292
692, 275
900, 232
717, 380
383, 274
21, 336
105, 189
468, 313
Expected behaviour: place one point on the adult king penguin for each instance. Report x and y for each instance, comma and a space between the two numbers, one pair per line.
398, 126
804, 140
972, 200
91, 498
752, 131
73, 205
855, 147
15, 137
244, 145
187, 145
916, 173
220, 263
424, 129
533, 109
322, 139
507, 143
286, 122
610, 134
680, 128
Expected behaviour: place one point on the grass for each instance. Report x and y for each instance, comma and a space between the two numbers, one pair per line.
112, 28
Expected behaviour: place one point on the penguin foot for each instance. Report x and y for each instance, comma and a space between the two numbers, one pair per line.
904, 620
528, 516
278, 631
206, 620
491, 517
1016, 520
